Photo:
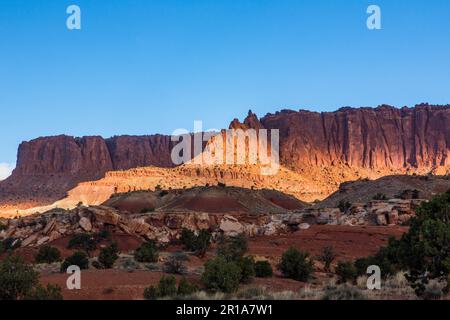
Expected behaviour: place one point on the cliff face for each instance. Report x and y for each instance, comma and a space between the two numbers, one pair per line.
330, 147
50, 166
375, 139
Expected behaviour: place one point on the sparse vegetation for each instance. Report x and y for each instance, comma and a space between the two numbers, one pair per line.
83, 241
233, 248
346, 271
296, 265
147, 252
79, 259
167, 288
380, 196
343, 292
48, 254
263, 269
108, 256
221, 275
344, 206
17, 278
51, 292
175, 263
247, 266
327, 256
9, 244
198, 243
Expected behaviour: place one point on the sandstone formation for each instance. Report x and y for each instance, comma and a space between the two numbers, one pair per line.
321, 149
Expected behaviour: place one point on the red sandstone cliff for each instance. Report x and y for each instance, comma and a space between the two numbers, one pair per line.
331, 147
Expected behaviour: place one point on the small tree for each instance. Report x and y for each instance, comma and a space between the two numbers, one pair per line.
327, 256
222, 275
175, 263
47, 254
51, 292
167, 286
185, 288
17, 278
380, 196
346, 271
263, 269
247, 266
233, 248
147, 252
108, 256
196, 243
83, 241
296, 265
79, 259
344, 206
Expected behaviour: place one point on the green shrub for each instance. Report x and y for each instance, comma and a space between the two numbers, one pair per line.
83, 241
196, 243
147, 252
185, 288
47, 254
108, 256
233, 248
327, 256
3, 226
79, 259
151, 293
344, 206
51, 292
263, 269
247, 266
296, 265
104, 234
9, 244
379, 196
17, 278
221, 275
346, 271
167, 286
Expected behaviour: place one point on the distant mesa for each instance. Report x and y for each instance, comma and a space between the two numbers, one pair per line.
318, 152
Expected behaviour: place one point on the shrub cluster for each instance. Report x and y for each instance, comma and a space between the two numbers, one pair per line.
167, 288
147, 252
296, 265
79, 259
198, 243
47, 254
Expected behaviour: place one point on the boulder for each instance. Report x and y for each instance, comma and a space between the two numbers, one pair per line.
85, 224
231, 227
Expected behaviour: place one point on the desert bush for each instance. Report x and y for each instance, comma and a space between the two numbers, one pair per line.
51, 292
108, 256
167, 287
47, 254
247, 266
147, 252
185, 288
221, 274
145, 210
379, 196
3, 226
17, 278
83, 241
9, 244
346, 271
343, 292
79, 259
296, 265
233, 248
344, 206
263, 269
327, 256
221, 184
103, 234
175, 263
196, 243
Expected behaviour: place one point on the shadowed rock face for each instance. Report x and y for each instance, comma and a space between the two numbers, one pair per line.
323, 145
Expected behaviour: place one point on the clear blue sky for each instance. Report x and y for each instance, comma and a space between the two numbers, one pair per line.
147, 66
